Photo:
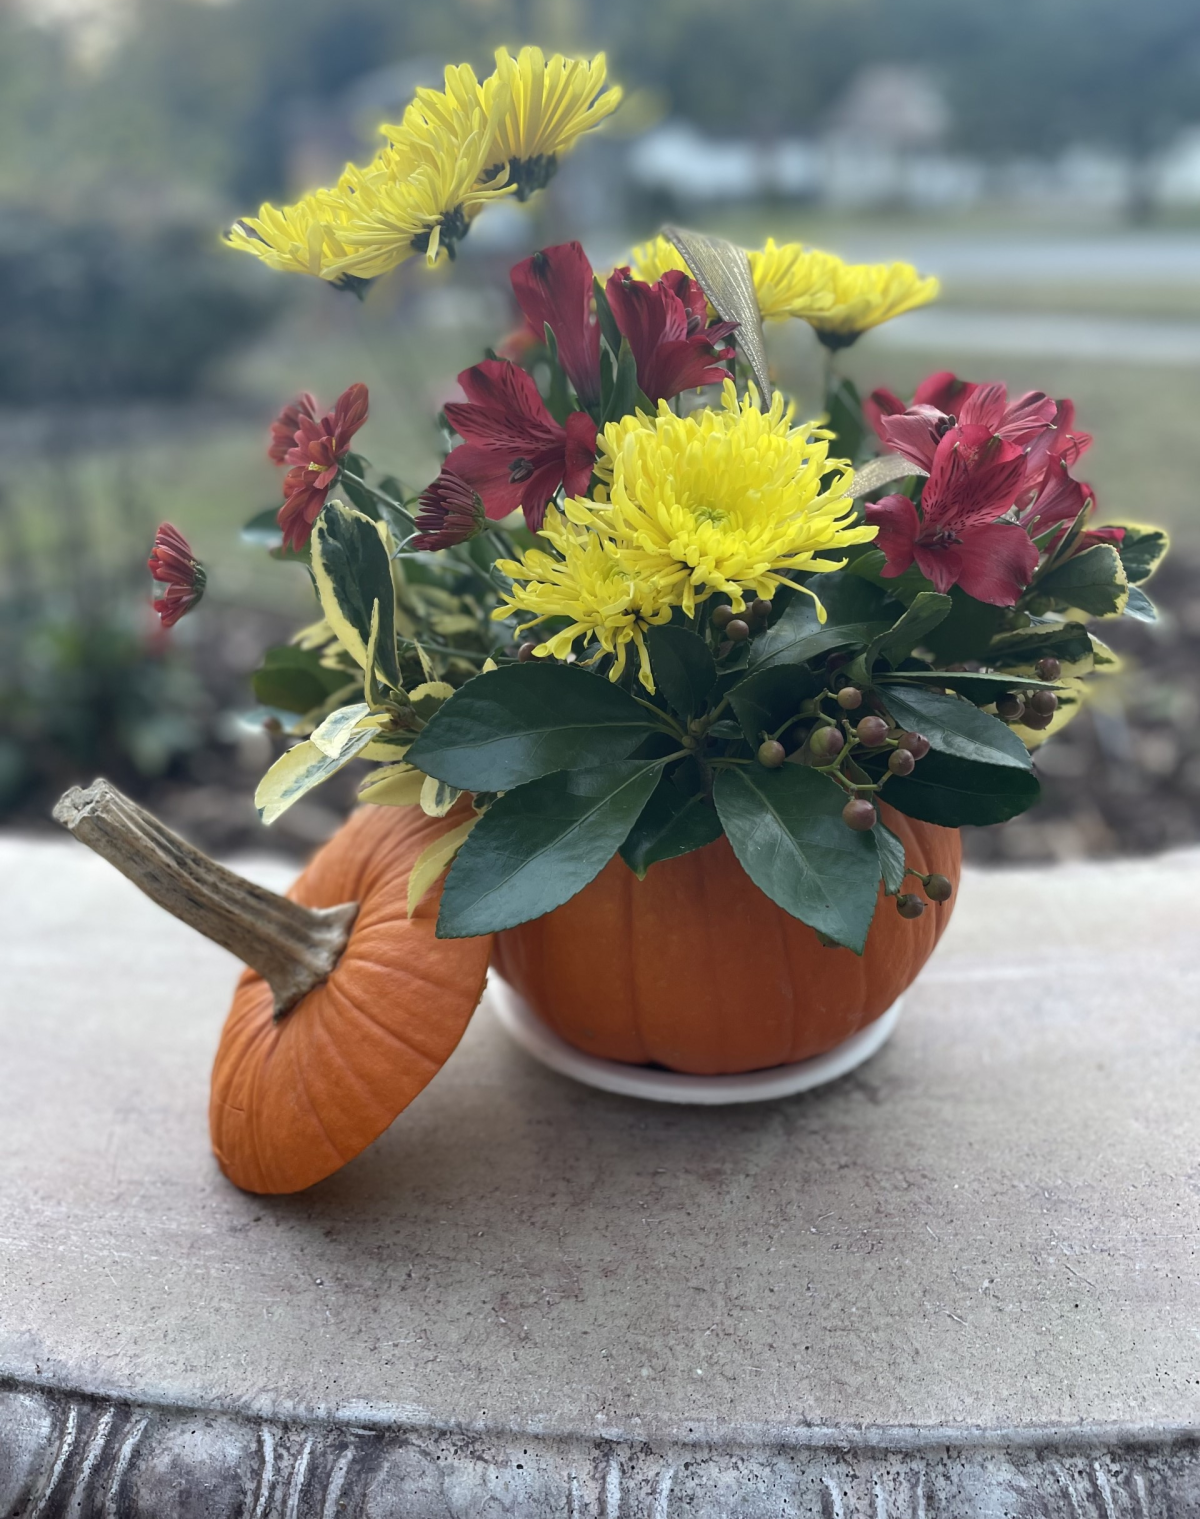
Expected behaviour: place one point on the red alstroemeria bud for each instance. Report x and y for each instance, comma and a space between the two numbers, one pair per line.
448, 512
173, 565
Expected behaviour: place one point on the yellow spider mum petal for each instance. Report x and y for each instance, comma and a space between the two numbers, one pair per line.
650, 261
863, 295
722, 501
299, 239
585, 582
549, 104
790, 280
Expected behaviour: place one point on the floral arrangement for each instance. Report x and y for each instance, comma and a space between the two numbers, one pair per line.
642, 604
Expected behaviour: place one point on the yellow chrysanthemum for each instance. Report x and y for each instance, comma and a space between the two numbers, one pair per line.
418, 197
719, 501
586, 583
790, 280
304, 238
863, 295
650, 261
551, 103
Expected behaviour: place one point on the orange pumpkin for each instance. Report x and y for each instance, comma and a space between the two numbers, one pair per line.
295, 1098
696, 970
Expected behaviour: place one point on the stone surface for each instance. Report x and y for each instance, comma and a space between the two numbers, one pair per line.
960, 1282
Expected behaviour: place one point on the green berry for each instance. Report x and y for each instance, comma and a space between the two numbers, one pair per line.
859, 814
849, 697
771, 753
825, 743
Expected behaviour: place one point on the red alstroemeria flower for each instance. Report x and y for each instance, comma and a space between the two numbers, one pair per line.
283, 428
943, 390
554, 288
449, 511
665, 325
319, 446
957, 539
515, 454
173, 565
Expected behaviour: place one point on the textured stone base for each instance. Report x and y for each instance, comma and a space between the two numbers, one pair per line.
960, 1283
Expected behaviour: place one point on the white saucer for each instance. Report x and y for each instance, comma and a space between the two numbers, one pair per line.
523, 1025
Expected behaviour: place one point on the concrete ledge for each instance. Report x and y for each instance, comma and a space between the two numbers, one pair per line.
961, 1282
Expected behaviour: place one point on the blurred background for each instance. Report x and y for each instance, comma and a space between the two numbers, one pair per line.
1042, 157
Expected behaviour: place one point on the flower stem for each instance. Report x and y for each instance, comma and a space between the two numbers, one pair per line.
293, 948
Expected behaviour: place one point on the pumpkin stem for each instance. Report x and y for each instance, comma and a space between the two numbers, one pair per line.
293, 948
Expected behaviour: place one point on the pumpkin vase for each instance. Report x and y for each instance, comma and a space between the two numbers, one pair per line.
693, 969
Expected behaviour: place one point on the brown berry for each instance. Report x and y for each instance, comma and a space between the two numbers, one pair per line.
1038, 720
1048, 669
771, 753
722, 616
872, 731
909, 906
859, 814
1010, 708
1044, 703
737, 630
901, 762
938, 888
760, 610
848, 698
825, 743
525, 652
916, 744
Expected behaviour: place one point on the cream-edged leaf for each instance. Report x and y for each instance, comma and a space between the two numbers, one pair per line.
349, 726
437, 798
396, 785
723, 272
297, 771
875, 473
433, 860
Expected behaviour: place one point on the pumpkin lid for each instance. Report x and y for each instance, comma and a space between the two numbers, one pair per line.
295, 1098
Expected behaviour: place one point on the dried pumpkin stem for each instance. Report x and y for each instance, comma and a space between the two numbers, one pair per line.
293, 948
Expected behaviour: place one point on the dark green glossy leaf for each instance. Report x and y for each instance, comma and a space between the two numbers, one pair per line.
683, 666
535, 847
520, 722
927, 610
353, 573
956, 726
846, 420
767, 698
891, 858
358, 495
953, 792
1094, 581
1141, 551
619, 393
967, 632
850, 598
799, 635
671, 824
787, 831
1139, 606
609, 330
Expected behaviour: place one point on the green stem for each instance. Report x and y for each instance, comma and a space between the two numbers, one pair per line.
669, 724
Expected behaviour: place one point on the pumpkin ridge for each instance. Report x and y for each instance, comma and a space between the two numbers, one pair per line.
393, 1034
298, 1067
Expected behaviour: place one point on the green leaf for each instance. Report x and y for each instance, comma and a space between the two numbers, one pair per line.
1139, 606
767, 698
263, 529
520, 722
967, 631
670, 824
609, 330
535, 847
340, 729
981, 687
891, 858
1065, 641
846, 420
787, 831
620, 396
352, 572
849, 598
799, 635
295, 679
1094, 581
683, 666
956, 726
358, 495
953, 792
1141, 551
927, 610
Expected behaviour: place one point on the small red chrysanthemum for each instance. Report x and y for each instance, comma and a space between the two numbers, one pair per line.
285, 425
449, 511
173, 565
319, 446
